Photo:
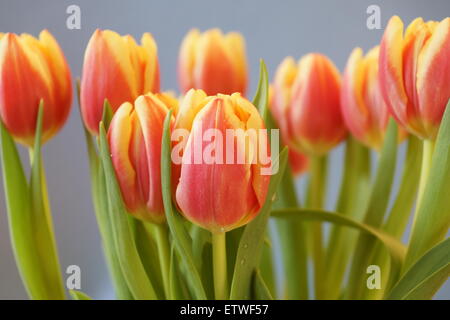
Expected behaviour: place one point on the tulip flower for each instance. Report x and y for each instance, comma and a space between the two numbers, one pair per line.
220, 195
117, 69
306, 104
213, 62
32, 69
363, 108
415, 73
134, 137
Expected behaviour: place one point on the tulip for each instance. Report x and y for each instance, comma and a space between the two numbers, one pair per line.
134, 137
415, 73
363, 108
219, 195
213, 62
306, 104
117, 69
32, 69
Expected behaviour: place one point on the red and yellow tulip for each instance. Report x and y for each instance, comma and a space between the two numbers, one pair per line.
32, 69
363, 108
220, 196
118, 69
306, 104
213, 62
134, 136
414, 71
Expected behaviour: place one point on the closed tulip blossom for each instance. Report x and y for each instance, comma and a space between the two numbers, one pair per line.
213, 62
32, 69
364, 110
220, 195
116, 68
415, 73
306, 104
134, 136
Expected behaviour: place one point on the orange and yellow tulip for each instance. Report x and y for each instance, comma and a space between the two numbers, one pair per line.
220, 195
306, 104
32, 69
363, 108
213, 62
134, 136
414, 71
118, 69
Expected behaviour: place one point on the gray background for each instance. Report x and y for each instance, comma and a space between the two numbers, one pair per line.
273, 30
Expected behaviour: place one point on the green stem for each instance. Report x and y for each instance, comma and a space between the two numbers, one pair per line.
162, 240
220, 265
316, 196
428, 148
293, 238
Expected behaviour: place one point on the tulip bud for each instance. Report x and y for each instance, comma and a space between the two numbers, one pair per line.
363, 108
134, 136
297, 160
415, 73
213, 62
219, 194
117, 69
32, 69
306, 104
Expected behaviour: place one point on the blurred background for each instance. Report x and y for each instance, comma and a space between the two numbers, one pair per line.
272, 29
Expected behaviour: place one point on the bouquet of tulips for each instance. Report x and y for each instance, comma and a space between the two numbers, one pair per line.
185, 188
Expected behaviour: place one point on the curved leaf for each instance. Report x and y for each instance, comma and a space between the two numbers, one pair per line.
127, 252
260, 289
432, 220
426, 276
179, 233
78, 295
250, 246
396, 249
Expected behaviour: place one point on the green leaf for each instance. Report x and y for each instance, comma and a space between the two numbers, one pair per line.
127, 252
41, 220
262, 93
260, 289
19, 218
377, 205
396, 248
250, 247
78, 295
179, 233
432, 220
107, 114
426, 276
101, 209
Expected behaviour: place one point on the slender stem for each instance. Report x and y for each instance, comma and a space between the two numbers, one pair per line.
162, 240
220, 266
316, 195
428, 148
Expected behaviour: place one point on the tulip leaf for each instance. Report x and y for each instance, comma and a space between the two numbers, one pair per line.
251, 244
18, 206
374, 215
426, 276
179, 233
101, 209
396, 248
260, 289
41, 220
107, 114
78, 295
127, 252
432, 220
262, 93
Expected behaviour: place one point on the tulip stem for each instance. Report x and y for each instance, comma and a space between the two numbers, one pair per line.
315, 200
220, 265
162, 239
